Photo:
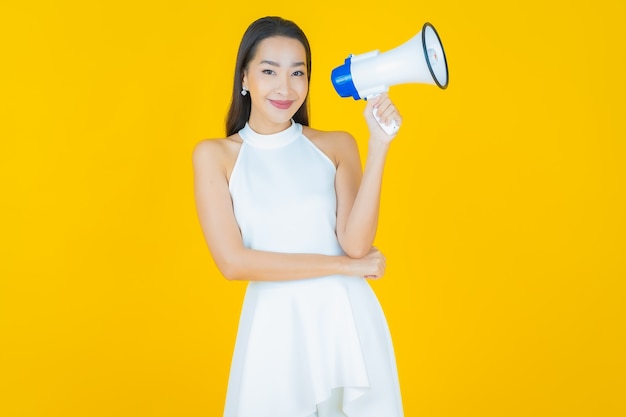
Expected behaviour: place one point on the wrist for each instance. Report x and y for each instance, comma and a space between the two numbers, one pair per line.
379, 144
376, 153
344, 265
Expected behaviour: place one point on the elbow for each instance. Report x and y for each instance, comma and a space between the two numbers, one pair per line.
232, 268
230, 262
355, 246
356, 251
230, 271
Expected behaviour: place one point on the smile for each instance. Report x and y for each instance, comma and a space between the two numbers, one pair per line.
281, 104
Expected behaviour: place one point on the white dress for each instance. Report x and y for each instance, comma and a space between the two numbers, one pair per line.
298, 340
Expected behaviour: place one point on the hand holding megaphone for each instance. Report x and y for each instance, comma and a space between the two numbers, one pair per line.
419, 60
380, 111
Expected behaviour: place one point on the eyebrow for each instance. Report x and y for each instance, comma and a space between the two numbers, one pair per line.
276, 64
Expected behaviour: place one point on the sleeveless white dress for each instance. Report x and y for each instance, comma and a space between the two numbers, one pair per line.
298, 340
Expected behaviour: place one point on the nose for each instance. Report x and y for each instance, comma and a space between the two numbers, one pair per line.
283, 85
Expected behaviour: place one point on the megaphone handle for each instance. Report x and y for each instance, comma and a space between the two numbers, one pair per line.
390, 129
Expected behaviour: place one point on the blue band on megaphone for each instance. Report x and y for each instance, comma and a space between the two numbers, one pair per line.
342, 80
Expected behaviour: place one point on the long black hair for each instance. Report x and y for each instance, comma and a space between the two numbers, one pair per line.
265, 27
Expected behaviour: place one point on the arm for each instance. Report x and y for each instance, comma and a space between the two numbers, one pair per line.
359, 195
222, 235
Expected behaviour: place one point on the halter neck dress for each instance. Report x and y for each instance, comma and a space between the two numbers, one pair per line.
298, 340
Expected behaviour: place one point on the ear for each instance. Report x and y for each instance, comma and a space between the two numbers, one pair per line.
244, 80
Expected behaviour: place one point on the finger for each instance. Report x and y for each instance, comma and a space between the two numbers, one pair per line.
395, 117
387, 111
379, 98
375, 101
382, 104
370, 108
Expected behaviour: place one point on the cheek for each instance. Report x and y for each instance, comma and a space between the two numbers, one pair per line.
303, 87
257, 83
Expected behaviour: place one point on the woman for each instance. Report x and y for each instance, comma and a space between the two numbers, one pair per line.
289, 209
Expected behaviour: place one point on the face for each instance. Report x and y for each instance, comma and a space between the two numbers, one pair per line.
277, 83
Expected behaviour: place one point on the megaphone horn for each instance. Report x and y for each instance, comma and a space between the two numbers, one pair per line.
419, 60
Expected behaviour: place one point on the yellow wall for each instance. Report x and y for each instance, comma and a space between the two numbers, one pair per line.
503, 212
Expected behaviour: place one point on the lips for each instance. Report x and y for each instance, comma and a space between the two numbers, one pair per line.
281, 104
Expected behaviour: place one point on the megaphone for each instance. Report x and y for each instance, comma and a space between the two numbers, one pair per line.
419, 60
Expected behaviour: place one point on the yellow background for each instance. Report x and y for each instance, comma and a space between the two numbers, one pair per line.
503, 217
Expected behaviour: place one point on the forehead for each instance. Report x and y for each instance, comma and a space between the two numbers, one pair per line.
280, 49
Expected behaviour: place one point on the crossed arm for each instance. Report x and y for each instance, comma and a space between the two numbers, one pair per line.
358, 201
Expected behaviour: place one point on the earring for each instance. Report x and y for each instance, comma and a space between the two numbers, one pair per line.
244, 91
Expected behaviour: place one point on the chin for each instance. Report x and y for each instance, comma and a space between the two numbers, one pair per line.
285, 117
275, 116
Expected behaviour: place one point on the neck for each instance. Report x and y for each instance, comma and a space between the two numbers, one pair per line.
267, 127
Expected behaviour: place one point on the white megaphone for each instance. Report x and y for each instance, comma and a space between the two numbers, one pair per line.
419, 60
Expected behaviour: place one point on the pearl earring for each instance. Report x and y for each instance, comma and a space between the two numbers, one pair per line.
244, 91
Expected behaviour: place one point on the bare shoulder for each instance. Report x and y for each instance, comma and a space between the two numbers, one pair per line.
336, 144
208, 149
220, 154
334, 137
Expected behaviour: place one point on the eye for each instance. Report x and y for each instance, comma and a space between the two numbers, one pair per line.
299, 73
268, 71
